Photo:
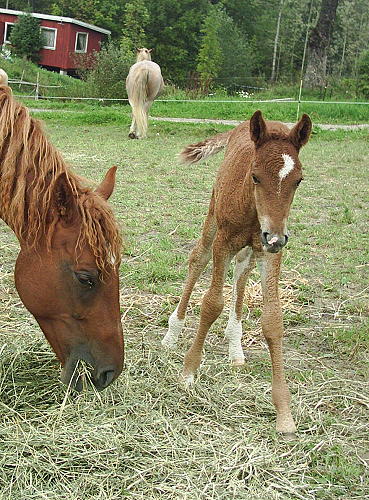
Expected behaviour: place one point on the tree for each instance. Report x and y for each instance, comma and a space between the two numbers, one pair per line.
173, 31
363, 75
276, 41
136, 17
237, 60
318, 44
26, 37
210, 53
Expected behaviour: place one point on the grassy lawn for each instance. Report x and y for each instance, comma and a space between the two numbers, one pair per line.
146, 437
324, 112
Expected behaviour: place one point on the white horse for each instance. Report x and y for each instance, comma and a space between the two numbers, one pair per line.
144, 83
3, 77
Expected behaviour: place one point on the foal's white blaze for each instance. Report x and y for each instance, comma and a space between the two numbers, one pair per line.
288, 166
174, 330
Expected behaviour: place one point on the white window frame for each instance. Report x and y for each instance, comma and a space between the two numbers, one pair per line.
56, 34
75, 45
6, 32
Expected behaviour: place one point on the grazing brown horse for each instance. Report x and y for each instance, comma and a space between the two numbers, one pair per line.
144, 83
247, 219
67, 269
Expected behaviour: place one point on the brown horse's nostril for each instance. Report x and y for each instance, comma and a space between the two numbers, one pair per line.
104, 379
285, 239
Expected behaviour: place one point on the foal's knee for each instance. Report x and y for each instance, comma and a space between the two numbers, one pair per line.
212, 306
272, 323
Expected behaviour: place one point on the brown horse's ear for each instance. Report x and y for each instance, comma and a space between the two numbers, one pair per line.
300, 133
65, 202
106, 187
258, 129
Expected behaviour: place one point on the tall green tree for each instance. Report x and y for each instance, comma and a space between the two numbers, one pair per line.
210, 54
106, 14
26, 37
173, 31
318, 44
237, 62
136, 17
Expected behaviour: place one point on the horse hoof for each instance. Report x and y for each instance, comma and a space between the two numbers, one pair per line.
132, 135
288, 436
187, 380
238, 362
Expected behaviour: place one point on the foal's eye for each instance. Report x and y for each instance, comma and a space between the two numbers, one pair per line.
255, 180
85, 279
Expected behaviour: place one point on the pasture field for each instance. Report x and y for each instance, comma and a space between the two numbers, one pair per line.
146, 437
324, 112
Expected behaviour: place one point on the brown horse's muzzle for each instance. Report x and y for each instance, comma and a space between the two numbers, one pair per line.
273, 243
100, 374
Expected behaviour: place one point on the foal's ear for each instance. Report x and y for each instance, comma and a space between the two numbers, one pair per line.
258, 131
300, 133
65, 202
106, 187
150, 50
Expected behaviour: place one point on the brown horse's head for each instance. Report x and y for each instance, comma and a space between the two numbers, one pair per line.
70, 284
276, 173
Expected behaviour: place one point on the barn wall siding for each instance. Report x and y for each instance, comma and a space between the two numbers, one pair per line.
63, 55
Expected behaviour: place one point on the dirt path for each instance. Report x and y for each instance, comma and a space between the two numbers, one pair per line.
324, 126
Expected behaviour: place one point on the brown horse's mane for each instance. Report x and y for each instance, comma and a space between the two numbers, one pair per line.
29, 168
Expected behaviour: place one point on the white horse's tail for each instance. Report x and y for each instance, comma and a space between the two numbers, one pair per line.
202, 150
3, 77
138, 101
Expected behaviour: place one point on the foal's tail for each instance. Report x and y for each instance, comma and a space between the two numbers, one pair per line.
138, 101
202, 150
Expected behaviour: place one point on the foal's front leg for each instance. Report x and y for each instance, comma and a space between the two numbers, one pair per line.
245, 261
198, 260
272, 326
211, 307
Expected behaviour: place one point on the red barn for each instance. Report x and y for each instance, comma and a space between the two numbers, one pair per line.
64, 37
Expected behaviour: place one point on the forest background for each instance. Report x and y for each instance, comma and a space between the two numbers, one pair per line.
230, 44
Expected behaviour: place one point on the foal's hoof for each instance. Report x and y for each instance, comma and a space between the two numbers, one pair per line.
288, 436
238, 362
187, 379
169, 342
132, 135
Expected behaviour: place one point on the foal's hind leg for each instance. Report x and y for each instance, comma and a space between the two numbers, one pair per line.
272, 326
198, 260
245, 261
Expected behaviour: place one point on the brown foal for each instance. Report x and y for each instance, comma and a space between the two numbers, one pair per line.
247, 219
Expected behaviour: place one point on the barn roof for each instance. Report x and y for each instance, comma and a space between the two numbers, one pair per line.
59, 19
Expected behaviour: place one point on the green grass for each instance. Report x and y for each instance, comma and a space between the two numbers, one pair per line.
146, 437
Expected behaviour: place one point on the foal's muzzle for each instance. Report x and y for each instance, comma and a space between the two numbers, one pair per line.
273, 242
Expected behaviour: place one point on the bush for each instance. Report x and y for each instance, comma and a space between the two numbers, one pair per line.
26, 38
107, 78
363, 75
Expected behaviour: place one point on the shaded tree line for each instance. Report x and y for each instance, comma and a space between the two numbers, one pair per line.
230, 42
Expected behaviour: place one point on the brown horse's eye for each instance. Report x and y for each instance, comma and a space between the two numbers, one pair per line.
255, 180
85, 279
298, 182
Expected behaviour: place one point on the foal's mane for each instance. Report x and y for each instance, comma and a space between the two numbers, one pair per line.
29, 168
